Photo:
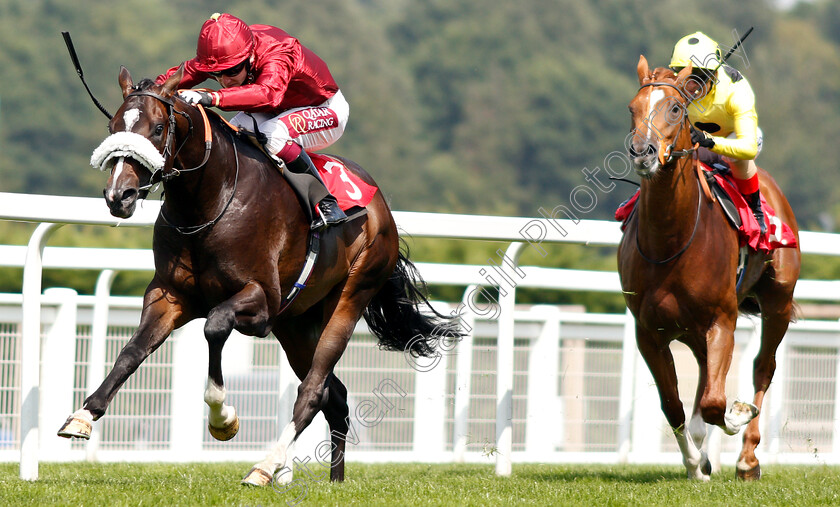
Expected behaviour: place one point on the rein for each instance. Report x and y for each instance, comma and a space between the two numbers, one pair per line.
188, 230
670, 154
667, 155
159, 176
690, 239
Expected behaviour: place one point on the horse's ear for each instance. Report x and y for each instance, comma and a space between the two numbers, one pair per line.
643, 69
126, 84
683, 74
690, 85
170, 86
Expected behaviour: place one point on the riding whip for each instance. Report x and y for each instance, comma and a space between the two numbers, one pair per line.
75, 58
736, 46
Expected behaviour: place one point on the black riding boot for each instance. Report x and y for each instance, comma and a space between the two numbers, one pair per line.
306, 181
754, 200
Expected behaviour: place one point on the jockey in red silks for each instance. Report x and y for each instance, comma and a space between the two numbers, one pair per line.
267, 74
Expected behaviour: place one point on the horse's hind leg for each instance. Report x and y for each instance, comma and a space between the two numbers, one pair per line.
313, 392
660, 361
773, 329
337, 412
247, 311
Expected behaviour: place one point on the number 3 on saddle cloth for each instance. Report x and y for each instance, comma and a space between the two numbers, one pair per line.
347, 188
778, 235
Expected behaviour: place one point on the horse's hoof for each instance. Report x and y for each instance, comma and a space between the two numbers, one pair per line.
753, 474
225, 433
706, 467
257, 477
737, 416
75, 427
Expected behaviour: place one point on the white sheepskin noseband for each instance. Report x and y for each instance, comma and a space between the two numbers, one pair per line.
127, 144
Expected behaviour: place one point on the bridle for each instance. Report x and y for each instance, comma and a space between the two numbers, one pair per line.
667, 156
159, 174
168, 154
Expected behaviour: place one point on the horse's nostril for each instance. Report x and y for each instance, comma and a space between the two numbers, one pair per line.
129, 194
651, 150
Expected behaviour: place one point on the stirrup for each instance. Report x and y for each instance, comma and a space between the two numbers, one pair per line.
333, 215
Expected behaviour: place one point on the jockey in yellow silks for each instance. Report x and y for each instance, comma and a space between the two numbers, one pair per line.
723, 116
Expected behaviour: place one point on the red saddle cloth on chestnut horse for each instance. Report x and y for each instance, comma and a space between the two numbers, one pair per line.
349, 190
736, 209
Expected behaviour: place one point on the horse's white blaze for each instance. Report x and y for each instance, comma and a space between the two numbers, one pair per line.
130, 118
655, 96
118, 168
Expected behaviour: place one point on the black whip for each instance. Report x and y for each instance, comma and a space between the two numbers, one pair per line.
736, 46
81, 74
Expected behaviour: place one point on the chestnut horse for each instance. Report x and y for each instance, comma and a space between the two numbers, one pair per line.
677, 262
230, 244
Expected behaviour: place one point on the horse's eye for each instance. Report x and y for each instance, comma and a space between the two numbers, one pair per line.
676, 109
159, 130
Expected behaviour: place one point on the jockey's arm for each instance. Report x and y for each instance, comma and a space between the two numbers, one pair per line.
744, 146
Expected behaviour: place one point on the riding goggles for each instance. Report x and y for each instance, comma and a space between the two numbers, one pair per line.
232, 71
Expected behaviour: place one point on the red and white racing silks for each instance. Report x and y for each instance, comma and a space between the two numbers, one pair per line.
348, 189
778, 234
286, 75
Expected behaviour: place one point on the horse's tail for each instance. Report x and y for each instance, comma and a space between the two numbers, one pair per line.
394, 314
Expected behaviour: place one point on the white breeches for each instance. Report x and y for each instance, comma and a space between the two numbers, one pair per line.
312, 127
745, 169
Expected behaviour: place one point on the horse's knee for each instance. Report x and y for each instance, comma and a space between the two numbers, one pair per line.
713, 409
219, 324
673, 411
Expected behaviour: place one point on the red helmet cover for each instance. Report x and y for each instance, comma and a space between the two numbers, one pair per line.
224, 42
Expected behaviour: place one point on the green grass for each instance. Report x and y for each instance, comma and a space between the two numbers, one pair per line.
418, 484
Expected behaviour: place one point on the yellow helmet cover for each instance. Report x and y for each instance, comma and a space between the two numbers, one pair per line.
697, 48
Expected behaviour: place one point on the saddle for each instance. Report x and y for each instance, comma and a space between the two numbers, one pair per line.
719, 178
352, 194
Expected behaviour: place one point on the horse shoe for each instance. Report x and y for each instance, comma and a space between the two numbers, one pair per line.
75, 427
256, 477
226, 433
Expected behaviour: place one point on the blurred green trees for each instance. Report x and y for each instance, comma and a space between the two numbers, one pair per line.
464, 106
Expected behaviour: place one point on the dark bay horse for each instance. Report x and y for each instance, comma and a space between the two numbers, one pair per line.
677, 262
229, 245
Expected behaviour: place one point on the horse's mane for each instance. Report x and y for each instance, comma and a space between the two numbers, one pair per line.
664, 74
144, 84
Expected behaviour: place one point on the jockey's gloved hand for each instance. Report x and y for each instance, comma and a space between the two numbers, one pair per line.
701, 137
194, 97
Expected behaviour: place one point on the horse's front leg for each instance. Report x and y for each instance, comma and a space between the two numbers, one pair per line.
163, 311
720, 341
660, 362
246, 311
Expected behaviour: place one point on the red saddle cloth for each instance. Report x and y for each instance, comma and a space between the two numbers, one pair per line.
778, 235
348, 189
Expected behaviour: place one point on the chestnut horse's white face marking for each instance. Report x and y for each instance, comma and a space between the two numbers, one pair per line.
655, 96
